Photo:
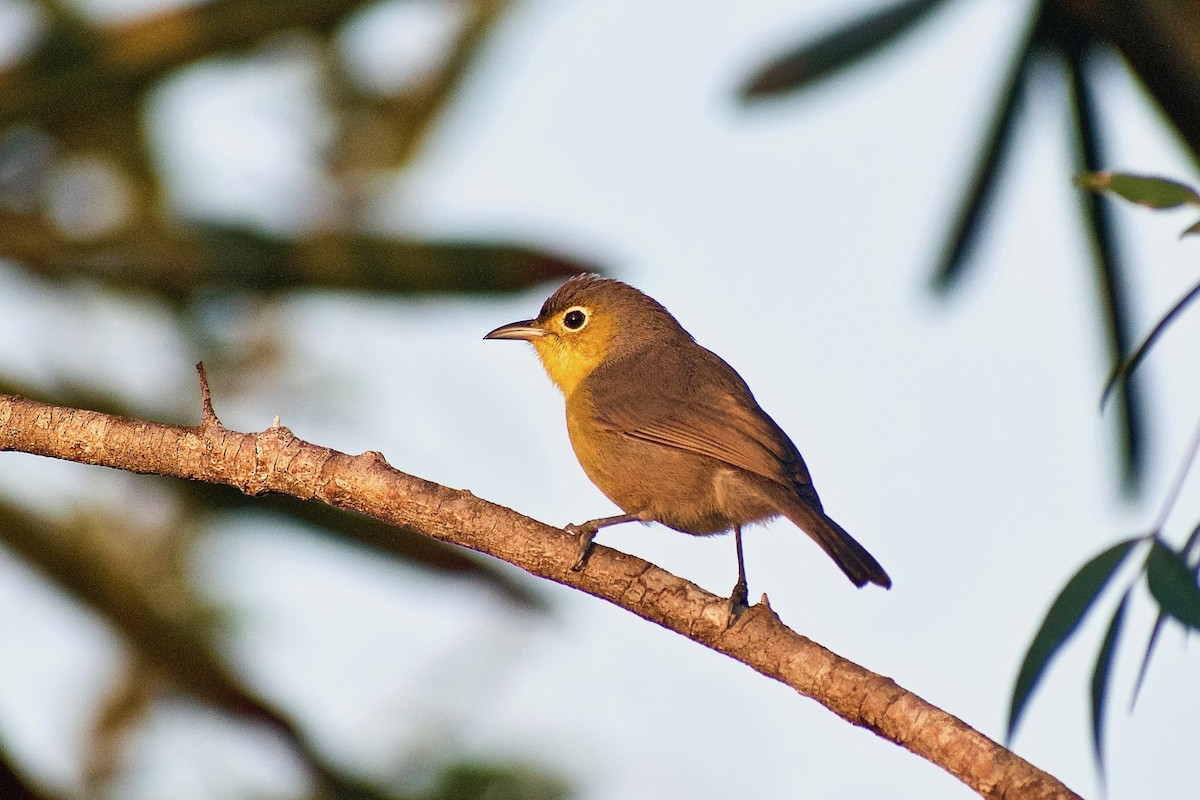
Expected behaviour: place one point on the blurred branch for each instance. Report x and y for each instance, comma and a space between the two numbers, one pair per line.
179, 264
277, 461
161, 627
386, 131
420, 106
372, 534
87, 63
123, 707
1161, 41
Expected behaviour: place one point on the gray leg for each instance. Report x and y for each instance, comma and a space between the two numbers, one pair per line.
586, 531
738, 598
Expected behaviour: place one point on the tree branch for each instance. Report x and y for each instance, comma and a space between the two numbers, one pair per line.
179, 264
277, 461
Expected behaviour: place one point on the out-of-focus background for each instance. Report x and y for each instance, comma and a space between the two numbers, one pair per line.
329, 203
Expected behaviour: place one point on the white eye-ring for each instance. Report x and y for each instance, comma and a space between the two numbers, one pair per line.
575, 318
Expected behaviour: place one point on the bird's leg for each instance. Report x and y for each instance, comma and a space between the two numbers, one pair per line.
586, 531
739, 597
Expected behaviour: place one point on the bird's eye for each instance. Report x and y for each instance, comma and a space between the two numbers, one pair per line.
575, 319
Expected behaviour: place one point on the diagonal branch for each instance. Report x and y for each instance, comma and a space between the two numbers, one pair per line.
277, 461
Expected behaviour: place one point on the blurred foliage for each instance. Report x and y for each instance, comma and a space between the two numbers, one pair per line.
1156, 193
475, 781
85, 199
1159, 40
1172, 577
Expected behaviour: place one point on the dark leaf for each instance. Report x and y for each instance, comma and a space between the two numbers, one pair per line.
1194, 229
1100, 675
1144, 190
814, 60
1062, 620
459, 781
181, 264
1158, 625
1173, 584
1121, 371
1109, 276
968, 227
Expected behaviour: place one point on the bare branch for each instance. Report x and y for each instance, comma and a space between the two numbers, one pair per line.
277, 461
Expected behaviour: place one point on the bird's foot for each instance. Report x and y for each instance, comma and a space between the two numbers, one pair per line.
586, 533
738, 602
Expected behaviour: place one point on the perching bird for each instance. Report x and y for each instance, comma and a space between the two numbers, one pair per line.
668, 430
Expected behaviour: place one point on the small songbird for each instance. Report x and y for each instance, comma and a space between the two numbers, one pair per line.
668, 430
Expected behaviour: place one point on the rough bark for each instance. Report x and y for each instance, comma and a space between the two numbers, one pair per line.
277, 461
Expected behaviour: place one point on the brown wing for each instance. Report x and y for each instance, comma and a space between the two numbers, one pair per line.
699, 404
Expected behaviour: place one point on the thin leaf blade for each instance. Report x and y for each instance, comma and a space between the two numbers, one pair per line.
817, 59
1192, 540
1150, 644
1062, 620
1122, 371
968, 226
1100, 678
1077, 50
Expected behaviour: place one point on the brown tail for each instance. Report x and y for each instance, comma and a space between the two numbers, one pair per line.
859, 565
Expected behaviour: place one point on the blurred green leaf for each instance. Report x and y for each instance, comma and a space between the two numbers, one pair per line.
818, 59
1077, 48
1145, 190
968, 226
481, 781
181, 263
1062, 620
1122, 370
1158, 625
1173, 584
1100, 676
1193, 229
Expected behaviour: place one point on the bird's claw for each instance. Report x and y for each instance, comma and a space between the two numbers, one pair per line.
738, 602
586, 533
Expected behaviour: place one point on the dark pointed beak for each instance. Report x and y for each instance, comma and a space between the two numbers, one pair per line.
525, 329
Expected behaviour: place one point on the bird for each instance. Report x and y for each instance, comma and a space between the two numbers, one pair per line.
668, 431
